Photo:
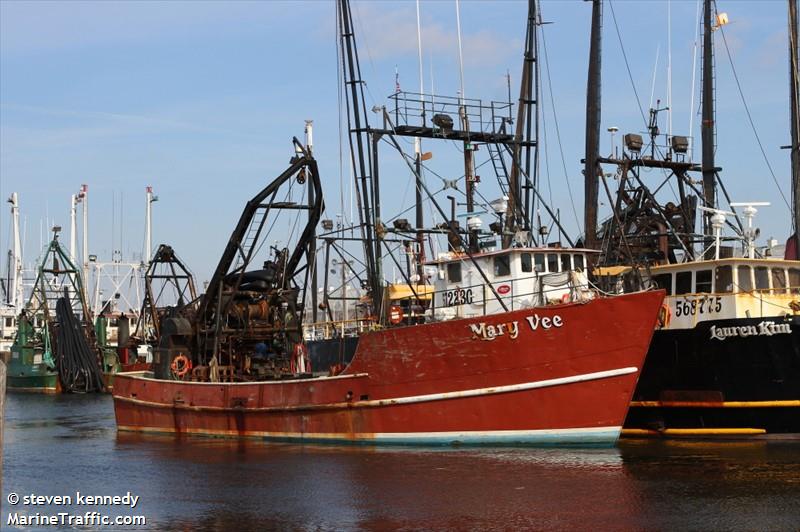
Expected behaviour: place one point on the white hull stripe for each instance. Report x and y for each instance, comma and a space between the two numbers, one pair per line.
501, 389
147, 376
462, 394
582, 435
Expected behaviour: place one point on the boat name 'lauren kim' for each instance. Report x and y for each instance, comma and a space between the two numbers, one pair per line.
765, 328
483, 331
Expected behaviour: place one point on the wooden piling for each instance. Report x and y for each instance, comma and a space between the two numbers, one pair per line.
3, 370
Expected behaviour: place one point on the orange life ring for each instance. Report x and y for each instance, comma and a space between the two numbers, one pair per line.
664, 316
395, 315
181, 365
565, 298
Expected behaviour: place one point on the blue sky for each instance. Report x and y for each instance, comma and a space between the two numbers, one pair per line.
201, 99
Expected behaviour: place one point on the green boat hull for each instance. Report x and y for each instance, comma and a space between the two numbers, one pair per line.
28, 371
32, 383
25, 375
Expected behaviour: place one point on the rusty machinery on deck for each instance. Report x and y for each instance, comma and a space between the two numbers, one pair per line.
248, 324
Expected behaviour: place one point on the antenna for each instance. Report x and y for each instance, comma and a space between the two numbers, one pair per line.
73, 236
460, 53
750, 234
16, 289
717, 222
84, 199
613, 130
150, 198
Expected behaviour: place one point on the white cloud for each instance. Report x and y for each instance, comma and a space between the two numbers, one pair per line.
386, 33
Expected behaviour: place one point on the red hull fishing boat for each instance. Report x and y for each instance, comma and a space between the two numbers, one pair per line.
486, 344
561, 374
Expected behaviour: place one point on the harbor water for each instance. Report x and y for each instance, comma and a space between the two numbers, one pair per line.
65, 445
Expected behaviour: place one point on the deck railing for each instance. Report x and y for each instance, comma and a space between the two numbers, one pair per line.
478, 300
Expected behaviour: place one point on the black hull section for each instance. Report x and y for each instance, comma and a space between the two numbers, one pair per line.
325, 354
773, 420
727, 374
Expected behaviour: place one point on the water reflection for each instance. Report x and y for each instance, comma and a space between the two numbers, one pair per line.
60, 445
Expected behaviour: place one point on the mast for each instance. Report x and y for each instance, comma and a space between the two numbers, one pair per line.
531, 119
469, 160
794, 81
363, 167
707, 128
593, 114
420, 221
519, 205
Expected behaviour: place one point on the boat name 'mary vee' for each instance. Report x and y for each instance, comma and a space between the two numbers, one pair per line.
765, 328
490, 332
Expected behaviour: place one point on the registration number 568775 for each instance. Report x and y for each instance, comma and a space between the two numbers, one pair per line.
692, 307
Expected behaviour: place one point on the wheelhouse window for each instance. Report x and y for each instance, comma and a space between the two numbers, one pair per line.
664, 281
794, 280
744, 279
578, 262
538, 262
723, 280
502, 265
566, 262
779, 280
454, 272
683, 283
552, 262
527, 263
702, 282
762, 278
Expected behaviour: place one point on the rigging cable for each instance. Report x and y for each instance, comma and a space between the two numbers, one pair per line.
750, 119
669, 67
694, 71
445, 185
627, 65
546, 158
369, 56
630, 77
655, 70
339, 85
558, 130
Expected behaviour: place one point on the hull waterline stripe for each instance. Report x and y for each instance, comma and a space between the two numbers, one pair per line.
694, 432
576, 435
510, 388
713, 404
32, 389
